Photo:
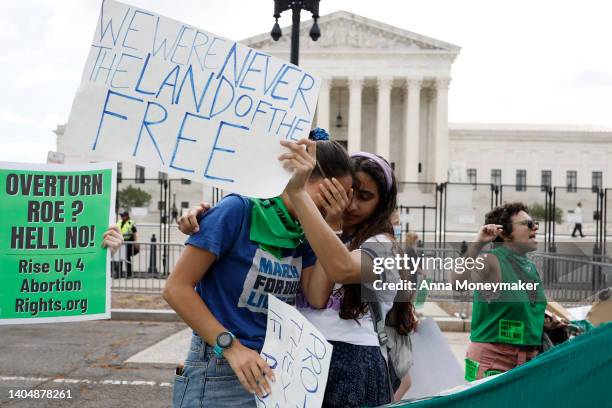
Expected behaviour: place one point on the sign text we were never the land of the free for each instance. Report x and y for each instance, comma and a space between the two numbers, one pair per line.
175, 97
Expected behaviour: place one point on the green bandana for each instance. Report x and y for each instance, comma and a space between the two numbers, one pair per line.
272, 227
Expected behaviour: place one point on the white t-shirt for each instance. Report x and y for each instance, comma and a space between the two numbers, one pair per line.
578, 215
359, 332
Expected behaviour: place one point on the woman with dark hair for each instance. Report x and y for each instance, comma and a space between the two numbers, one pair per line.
227, 310
506, 328
358, 374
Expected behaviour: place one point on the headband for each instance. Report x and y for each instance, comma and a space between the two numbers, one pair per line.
384, 166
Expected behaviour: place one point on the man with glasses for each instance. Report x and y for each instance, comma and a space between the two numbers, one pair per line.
507, 325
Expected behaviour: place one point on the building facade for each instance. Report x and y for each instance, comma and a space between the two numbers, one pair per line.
561, 155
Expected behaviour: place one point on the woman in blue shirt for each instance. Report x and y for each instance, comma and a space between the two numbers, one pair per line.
246, 249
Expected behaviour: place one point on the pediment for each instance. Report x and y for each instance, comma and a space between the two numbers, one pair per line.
346, 31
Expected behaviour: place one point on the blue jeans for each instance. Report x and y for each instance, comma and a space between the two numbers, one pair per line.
208, 381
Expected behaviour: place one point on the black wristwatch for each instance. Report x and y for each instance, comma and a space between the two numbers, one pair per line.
224, 341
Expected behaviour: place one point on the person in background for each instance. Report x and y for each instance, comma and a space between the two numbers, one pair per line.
397, 225
174, 213
578, 221
411, 240
129, 232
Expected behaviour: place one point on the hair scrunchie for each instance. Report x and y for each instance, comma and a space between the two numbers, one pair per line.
318, 134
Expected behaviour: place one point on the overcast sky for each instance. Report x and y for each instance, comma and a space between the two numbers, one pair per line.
525, 61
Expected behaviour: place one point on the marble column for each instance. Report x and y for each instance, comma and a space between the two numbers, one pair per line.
441, 130
412, 104
323, 104
383, 117
354, 125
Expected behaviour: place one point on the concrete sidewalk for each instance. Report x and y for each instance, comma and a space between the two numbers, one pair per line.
172, 350
429, 309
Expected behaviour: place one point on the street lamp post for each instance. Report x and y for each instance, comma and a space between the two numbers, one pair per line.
296, 7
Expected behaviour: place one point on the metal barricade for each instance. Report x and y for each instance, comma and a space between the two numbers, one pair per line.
418, 204
572, 279
145, 271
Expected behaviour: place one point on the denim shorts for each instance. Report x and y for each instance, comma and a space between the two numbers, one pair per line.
208, 381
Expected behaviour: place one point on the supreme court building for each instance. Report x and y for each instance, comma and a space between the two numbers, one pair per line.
384, 89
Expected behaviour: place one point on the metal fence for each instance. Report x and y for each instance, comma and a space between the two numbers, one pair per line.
436, 212
419, 209
455, 211
566, 279
465, 206
157, 203
146, 271
572, 280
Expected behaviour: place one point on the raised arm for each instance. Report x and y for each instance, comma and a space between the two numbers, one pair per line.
484, 267
316, 286
340, 264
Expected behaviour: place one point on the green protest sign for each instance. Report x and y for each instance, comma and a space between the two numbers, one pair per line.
53, 267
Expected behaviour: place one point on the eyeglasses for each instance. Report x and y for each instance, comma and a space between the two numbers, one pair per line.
531, 224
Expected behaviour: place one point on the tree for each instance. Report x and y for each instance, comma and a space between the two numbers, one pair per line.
538, 211
133, 197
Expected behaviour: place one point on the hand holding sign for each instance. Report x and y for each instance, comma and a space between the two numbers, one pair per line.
299, 356
301, 159
252, 371
112, 239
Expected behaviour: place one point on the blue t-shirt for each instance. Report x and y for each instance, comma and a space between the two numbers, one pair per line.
236, 286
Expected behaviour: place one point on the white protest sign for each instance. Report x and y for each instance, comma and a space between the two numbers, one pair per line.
165, 94
435, 367
299, 355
